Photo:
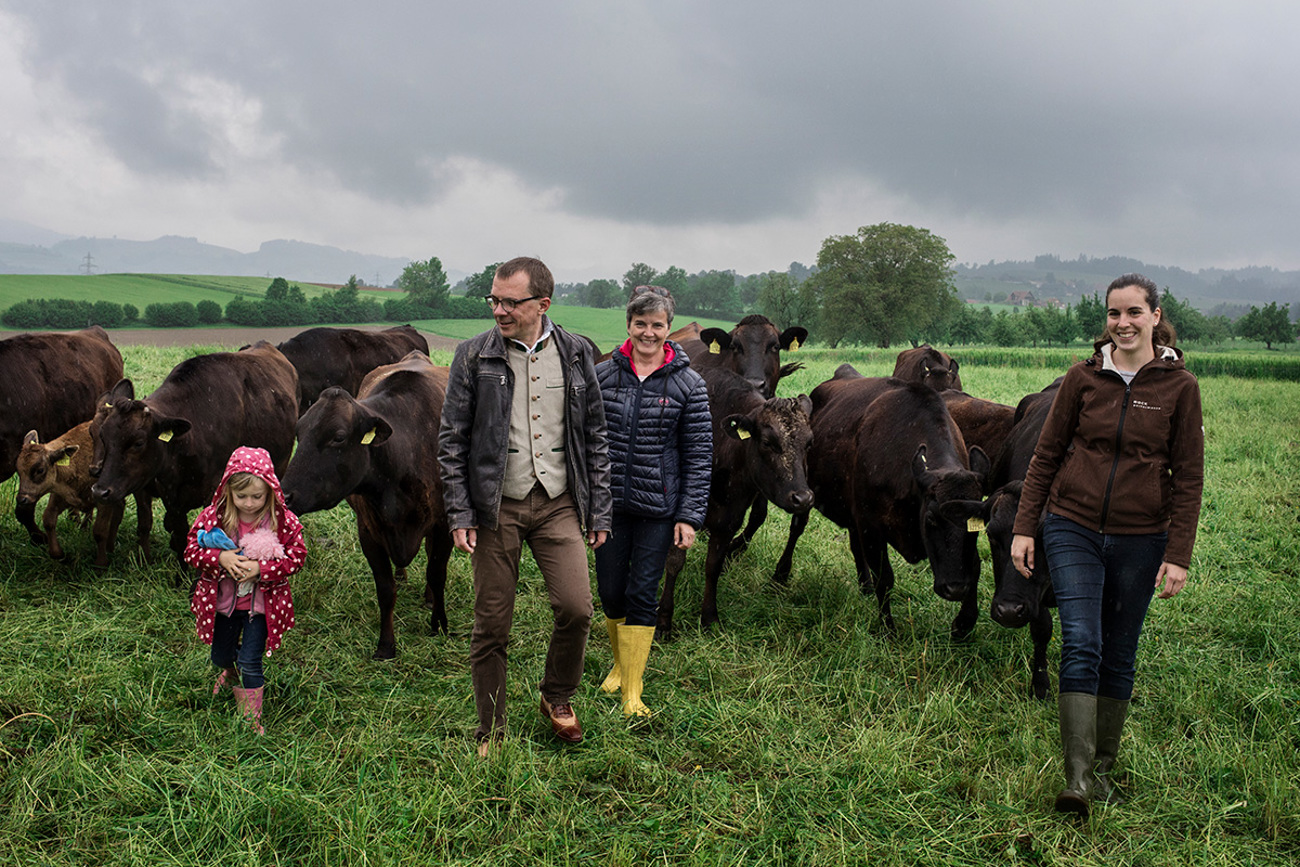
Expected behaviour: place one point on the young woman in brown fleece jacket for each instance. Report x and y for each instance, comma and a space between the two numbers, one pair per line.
1115, 488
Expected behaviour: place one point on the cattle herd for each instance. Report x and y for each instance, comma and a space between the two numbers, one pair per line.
908, 461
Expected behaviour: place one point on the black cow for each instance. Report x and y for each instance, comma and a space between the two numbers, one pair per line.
343, 356
174, 444
49, 383
1017, 601
752, 349
928, 366
886, 458
760, 447
380, 451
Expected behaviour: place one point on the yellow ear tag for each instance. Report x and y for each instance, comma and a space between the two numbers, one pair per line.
974, 525
368, 438
742, 433
715, 348
107, 405
794, 345
165, 436
64, 461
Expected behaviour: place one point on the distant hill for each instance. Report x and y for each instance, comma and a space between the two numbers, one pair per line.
1068, 279
294, 260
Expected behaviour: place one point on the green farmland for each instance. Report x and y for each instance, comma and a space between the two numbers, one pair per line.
800, 732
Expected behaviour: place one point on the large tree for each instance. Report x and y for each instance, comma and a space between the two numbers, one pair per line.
1271, 325
480, 285
425, 283
885, 284
640, 274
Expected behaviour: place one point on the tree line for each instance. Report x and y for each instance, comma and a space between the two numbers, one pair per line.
887, 284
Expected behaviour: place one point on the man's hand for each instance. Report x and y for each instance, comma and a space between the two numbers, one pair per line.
465, 539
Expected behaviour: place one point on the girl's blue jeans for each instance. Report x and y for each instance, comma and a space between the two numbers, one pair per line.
239, 641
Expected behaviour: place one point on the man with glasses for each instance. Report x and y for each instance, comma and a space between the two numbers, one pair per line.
524, 459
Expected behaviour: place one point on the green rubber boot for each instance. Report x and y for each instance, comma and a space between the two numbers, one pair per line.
1079, 743
1111, 714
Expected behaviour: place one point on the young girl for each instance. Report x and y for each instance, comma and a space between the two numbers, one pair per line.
241, 601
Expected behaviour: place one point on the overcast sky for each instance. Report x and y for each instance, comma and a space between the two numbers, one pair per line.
596, 133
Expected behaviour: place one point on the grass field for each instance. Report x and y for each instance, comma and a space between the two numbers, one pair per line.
798, 733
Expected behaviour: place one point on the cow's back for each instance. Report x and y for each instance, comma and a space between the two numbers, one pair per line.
50, 382
325, 357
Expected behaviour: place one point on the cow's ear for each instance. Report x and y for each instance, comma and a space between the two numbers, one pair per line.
805, 404
62, 457
921, 469
377, 431
740, 427
716, 340
167, 429
980, 463
123, 391
32, 437
953, 366
973, 513
794, 337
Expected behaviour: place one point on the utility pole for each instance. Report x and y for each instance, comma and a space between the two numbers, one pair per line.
88, 265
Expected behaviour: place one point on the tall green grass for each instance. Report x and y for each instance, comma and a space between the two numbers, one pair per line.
798, 733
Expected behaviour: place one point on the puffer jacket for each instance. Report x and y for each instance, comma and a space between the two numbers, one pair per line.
660, 437
1122, 458
475, 431
214, 592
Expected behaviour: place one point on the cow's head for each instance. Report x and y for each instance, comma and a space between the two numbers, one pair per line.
950, 545
132, 441
335, 439
928, 366
776, 436
38, 465
753, 350
1016, 599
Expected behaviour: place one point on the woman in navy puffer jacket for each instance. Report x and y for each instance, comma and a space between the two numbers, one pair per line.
661, 460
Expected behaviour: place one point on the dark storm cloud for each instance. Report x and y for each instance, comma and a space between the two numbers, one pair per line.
677, 112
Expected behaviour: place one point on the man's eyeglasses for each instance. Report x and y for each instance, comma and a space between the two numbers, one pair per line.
658, 290
508, 304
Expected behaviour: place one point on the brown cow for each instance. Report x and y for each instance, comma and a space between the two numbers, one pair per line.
61, 468
380, 451
343, 356
928, 366
983, 423
886, 457
49, 383
760, 448
174, 444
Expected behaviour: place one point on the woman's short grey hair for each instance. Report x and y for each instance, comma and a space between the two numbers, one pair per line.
650, 299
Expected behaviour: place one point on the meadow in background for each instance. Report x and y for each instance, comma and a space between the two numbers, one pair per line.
798, 733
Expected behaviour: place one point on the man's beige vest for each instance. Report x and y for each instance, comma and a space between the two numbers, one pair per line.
536, 449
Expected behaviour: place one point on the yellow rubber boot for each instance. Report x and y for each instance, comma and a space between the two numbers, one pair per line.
634, 644
614, 680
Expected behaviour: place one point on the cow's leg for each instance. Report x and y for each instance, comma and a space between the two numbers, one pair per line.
964, 622
798, 523
144, 524
672, 568
26, 515
176, 523
437, 551
715, 562
1040, 630
50, 521
757, 515
385, 593
875, 559
107, 519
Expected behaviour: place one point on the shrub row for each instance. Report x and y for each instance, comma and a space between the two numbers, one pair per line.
67, 314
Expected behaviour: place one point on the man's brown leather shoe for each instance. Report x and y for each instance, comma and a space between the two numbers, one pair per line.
564, 722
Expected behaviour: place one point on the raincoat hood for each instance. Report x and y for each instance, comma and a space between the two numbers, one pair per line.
247, 459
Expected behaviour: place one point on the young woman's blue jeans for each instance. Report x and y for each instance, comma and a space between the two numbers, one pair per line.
628, 567
1103, 585
240, 640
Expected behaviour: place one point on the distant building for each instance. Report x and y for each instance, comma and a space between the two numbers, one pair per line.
1021, 298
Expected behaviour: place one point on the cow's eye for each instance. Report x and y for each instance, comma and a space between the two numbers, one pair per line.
339, 439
